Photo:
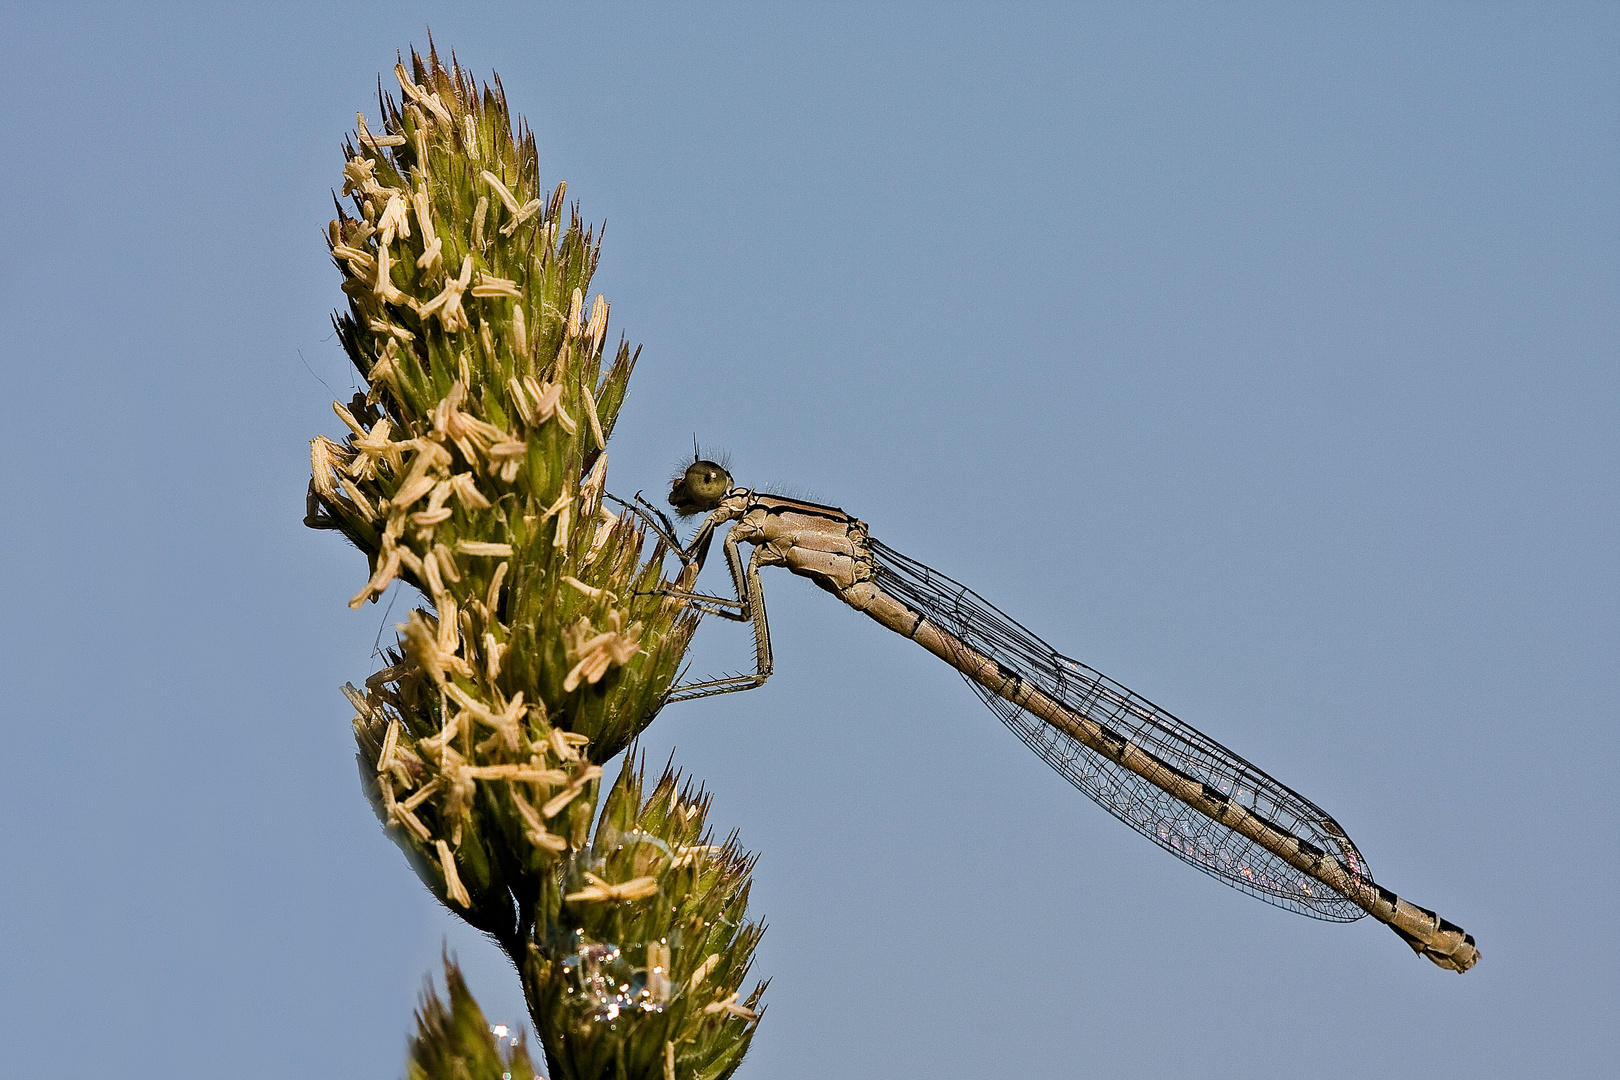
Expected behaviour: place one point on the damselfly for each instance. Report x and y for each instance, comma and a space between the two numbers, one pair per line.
1168, 781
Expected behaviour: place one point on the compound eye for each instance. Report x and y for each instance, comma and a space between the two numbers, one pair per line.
712, 480
702, 487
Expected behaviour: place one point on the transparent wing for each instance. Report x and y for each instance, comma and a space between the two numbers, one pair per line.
1156, 814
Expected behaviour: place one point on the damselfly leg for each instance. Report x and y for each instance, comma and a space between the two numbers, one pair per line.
748, 607
656, 520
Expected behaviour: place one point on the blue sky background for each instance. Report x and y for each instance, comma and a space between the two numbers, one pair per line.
1263, 357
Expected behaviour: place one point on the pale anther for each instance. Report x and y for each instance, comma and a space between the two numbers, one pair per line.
452, 882
479, 547
376, 142
490, 285
507, 198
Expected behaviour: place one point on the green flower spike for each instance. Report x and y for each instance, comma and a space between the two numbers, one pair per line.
473, 470
640, 971
454, 1042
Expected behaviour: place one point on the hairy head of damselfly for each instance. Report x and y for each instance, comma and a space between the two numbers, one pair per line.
700, 488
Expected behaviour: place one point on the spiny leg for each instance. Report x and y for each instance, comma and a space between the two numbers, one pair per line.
751, 599
722, 606
735, 610
693, 555
748, 607
661, 526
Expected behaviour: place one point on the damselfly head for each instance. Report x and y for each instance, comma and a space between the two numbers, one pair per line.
700, 488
